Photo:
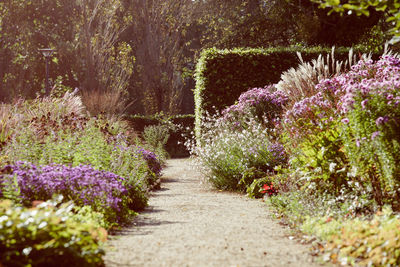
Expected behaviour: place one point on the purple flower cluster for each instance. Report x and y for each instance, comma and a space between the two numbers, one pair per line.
266, 104
365, 79
84, 185
278, 153
152, 161
308, 114
308, 106
267, 94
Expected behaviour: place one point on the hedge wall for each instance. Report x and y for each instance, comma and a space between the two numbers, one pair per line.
175, 144
222, 75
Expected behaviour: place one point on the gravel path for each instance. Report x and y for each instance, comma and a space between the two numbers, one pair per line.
187, 224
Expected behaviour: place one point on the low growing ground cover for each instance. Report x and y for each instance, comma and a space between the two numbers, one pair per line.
327, 158
98, 170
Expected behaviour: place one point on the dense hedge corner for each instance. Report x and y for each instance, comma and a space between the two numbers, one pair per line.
222, 75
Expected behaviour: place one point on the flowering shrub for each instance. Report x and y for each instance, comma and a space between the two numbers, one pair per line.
308, 115
228, 154
312, 132
265, 105
372, 106
368, 97
105, 192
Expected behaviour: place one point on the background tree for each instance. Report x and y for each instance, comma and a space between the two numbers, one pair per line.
391, 9
107, 61
158, 37
25, 27
85, 35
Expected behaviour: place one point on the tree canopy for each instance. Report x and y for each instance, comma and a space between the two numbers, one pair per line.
391, 8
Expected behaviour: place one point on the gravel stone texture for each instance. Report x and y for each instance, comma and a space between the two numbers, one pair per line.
190, 224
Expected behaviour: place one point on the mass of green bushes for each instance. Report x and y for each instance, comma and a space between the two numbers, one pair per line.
98, 166
222, 75
50, 234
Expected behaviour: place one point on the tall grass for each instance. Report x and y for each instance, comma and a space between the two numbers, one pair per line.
69, 103
107, 102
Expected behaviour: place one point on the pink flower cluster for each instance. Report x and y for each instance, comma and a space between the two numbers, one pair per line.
308, 114
265, 104
337, 96
365, 79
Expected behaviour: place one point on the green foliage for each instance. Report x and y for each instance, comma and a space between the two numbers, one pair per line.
368, 242
323, 227
375, 158
320, 157
156, 136
48, 236
59, 89
5, 133
296, 206
222, 75
359, 241
180, 128
88, 215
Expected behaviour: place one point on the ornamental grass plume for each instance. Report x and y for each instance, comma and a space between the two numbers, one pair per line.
54, 107
112, 103
298, 83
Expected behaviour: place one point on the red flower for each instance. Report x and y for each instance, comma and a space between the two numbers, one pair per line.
266, 187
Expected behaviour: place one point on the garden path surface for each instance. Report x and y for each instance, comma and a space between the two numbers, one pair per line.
189, 224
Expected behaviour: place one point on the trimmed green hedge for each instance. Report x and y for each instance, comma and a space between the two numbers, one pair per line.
222, 75
175, 144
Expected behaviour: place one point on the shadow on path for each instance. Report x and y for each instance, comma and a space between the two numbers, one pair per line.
143, 225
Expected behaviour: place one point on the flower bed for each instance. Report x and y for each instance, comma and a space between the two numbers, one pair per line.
335, 158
